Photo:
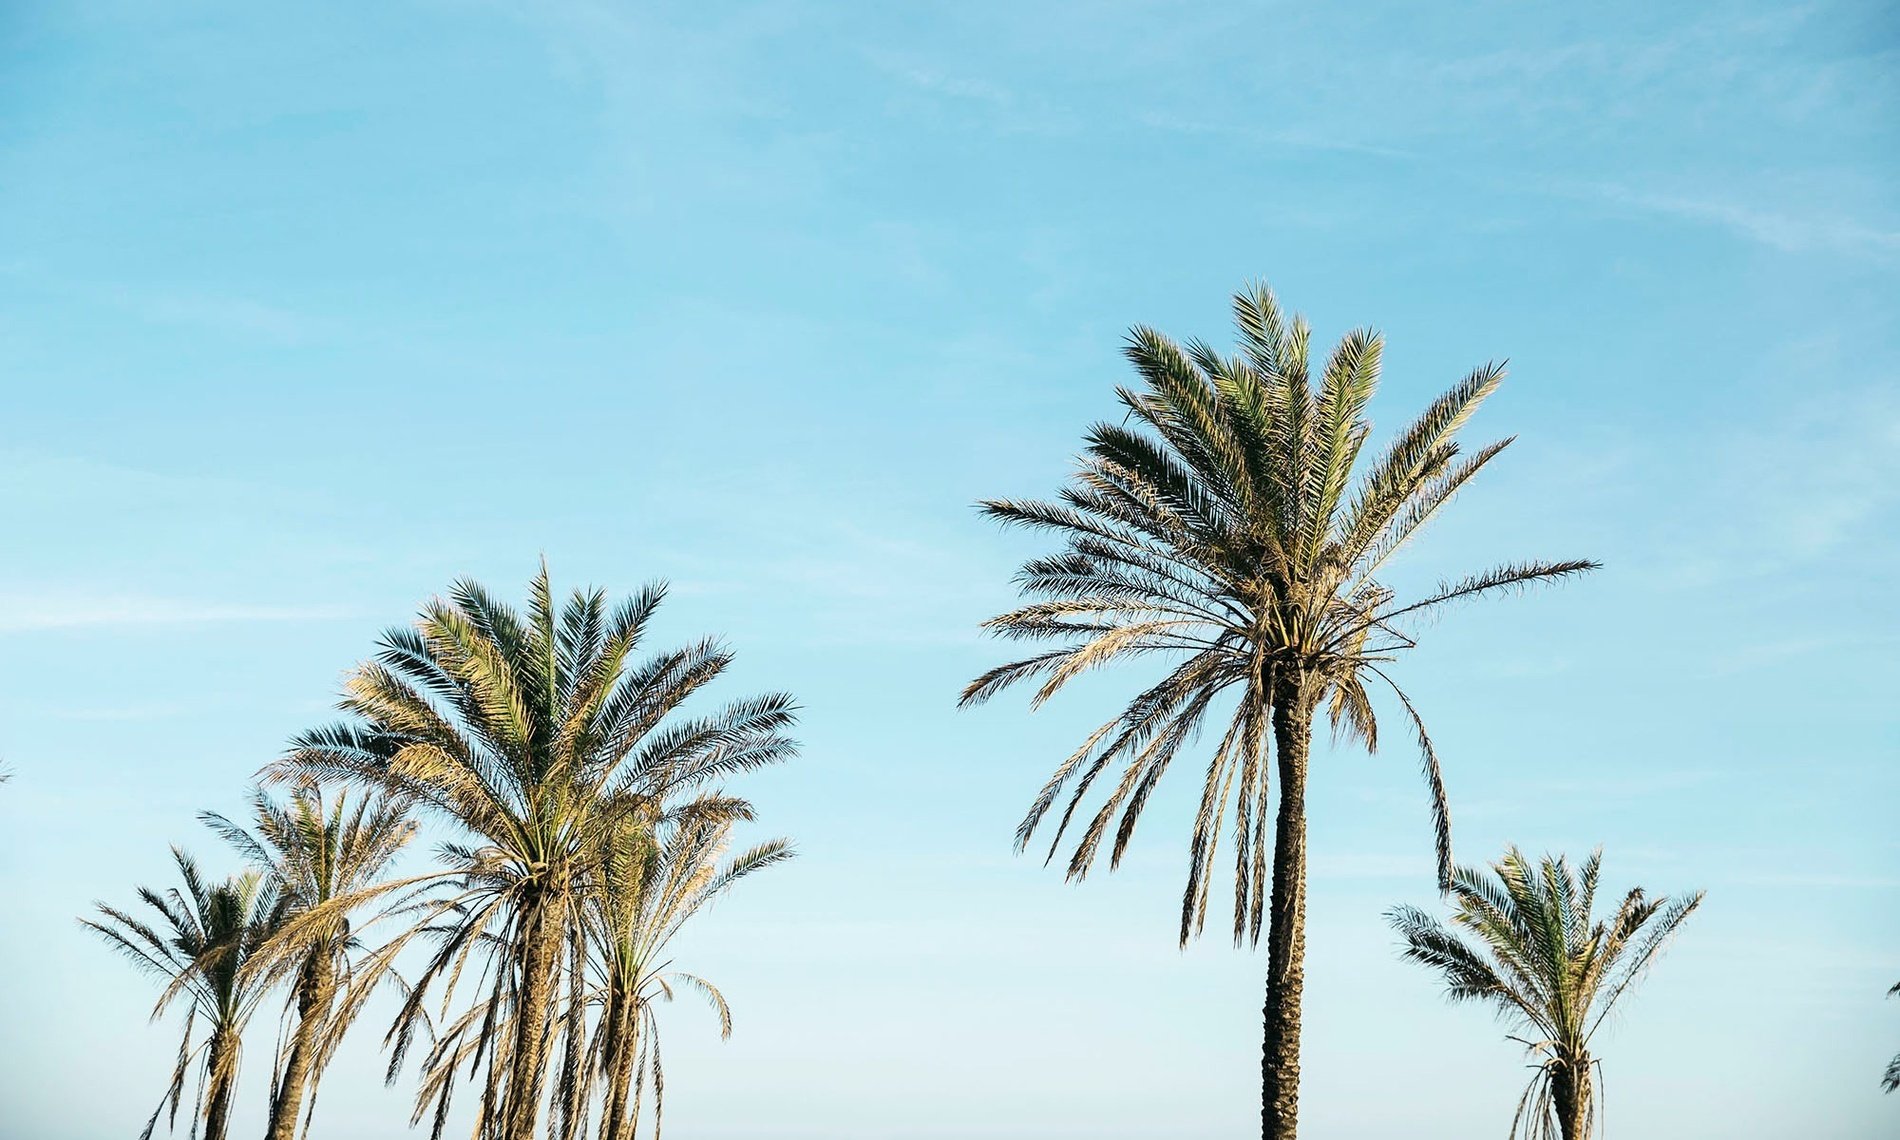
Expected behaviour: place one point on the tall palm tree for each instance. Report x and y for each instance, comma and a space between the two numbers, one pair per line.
199, 947
651, 881
1220, 527
314, 851
1523, 939
535, 734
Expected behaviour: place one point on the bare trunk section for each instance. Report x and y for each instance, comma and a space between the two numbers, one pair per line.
222, 1065
623, 1052
1570, 1089
1286, 934
313, 1004
527, 1059
573, 1080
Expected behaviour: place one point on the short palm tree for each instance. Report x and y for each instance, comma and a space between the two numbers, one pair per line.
199, 947
1523, 938
535, 734
1229, 526
651, 881
313, 852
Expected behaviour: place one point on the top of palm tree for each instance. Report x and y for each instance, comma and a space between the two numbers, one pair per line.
513, 725
655, 875
319, 845
537, 734
1524, 937
315, 848
199, 948
1232, 524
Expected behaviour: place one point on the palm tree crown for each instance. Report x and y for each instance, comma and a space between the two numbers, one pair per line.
205, 937
536, 734
1222, 528
1524, 939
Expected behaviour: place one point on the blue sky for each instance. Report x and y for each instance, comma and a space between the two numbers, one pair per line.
305, 313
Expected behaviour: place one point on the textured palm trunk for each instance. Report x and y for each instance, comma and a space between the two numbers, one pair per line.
573, 1083
1570, 1091
623, 1050
313, 1003
222, 1065
1286, 936
527, 1058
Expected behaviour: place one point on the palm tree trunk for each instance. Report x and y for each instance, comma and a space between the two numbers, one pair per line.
622, 1053
572, 1082
313, 1001
1286, 934
542, 937
222, 1068
1570, 1090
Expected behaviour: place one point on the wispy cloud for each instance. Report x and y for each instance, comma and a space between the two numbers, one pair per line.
1818, 881
1000, 107
1293, 139
1790, 233
237, 315
232, 313
26, 612
99, 714
1747, 657
936, 82
1837, 488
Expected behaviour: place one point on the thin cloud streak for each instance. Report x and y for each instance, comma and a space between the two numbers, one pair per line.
1297, 140
28, 613
1786, 232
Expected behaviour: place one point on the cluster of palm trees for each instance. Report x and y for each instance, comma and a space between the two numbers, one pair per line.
1232, 526
588, 824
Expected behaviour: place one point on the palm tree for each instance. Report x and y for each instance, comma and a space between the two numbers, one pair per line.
535, 734
1222, 530
651, 881
1891, 1080
314, 852
1523, 939
199, 949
